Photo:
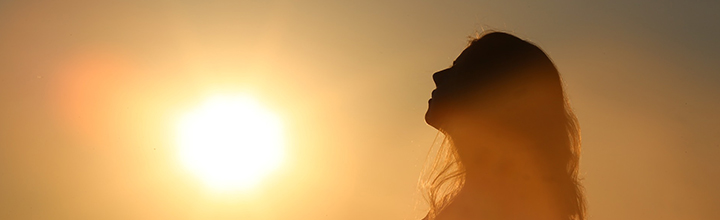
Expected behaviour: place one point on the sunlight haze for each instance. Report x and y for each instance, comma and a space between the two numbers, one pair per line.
107, 108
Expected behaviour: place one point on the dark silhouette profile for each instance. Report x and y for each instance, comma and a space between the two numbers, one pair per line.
512, 143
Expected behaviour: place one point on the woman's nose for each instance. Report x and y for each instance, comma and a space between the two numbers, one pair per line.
440, 76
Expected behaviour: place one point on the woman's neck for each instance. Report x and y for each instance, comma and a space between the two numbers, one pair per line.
503, 180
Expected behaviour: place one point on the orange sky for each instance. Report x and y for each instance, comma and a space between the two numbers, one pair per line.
89, 92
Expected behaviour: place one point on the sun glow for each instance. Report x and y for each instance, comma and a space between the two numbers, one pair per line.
230, 142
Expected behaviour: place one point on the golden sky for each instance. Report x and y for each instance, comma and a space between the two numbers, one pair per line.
89, 92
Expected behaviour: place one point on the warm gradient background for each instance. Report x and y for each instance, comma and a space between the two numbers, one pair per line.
90, 91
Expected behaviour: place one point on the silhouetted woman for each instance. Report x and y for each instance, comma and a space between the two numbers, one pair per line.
512, 143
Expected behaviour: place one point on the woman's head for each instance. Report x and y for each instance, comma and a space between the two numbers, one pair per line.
499, 78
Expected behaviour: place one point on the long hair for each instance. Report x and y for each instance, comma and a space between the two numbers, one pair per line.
444, 177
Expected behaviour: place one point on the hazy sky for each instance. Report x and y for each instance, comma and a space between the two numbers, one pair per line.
90, 92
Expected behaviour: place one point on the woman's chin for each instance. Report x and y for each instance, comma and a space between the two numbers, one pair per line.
432, 118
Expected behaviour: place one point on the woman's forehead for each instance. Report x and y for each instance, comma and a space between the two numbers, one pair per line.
470, 53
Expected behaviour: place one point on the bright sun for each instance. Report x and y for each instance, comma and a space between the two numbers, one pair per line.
230, 142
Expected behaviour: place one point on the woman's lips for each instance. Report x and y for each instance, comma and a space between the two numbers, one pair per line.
433, 94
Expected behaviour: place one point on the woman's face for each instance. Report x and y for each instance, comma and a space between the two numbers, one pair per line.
491, 80
480, 82
453, 86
